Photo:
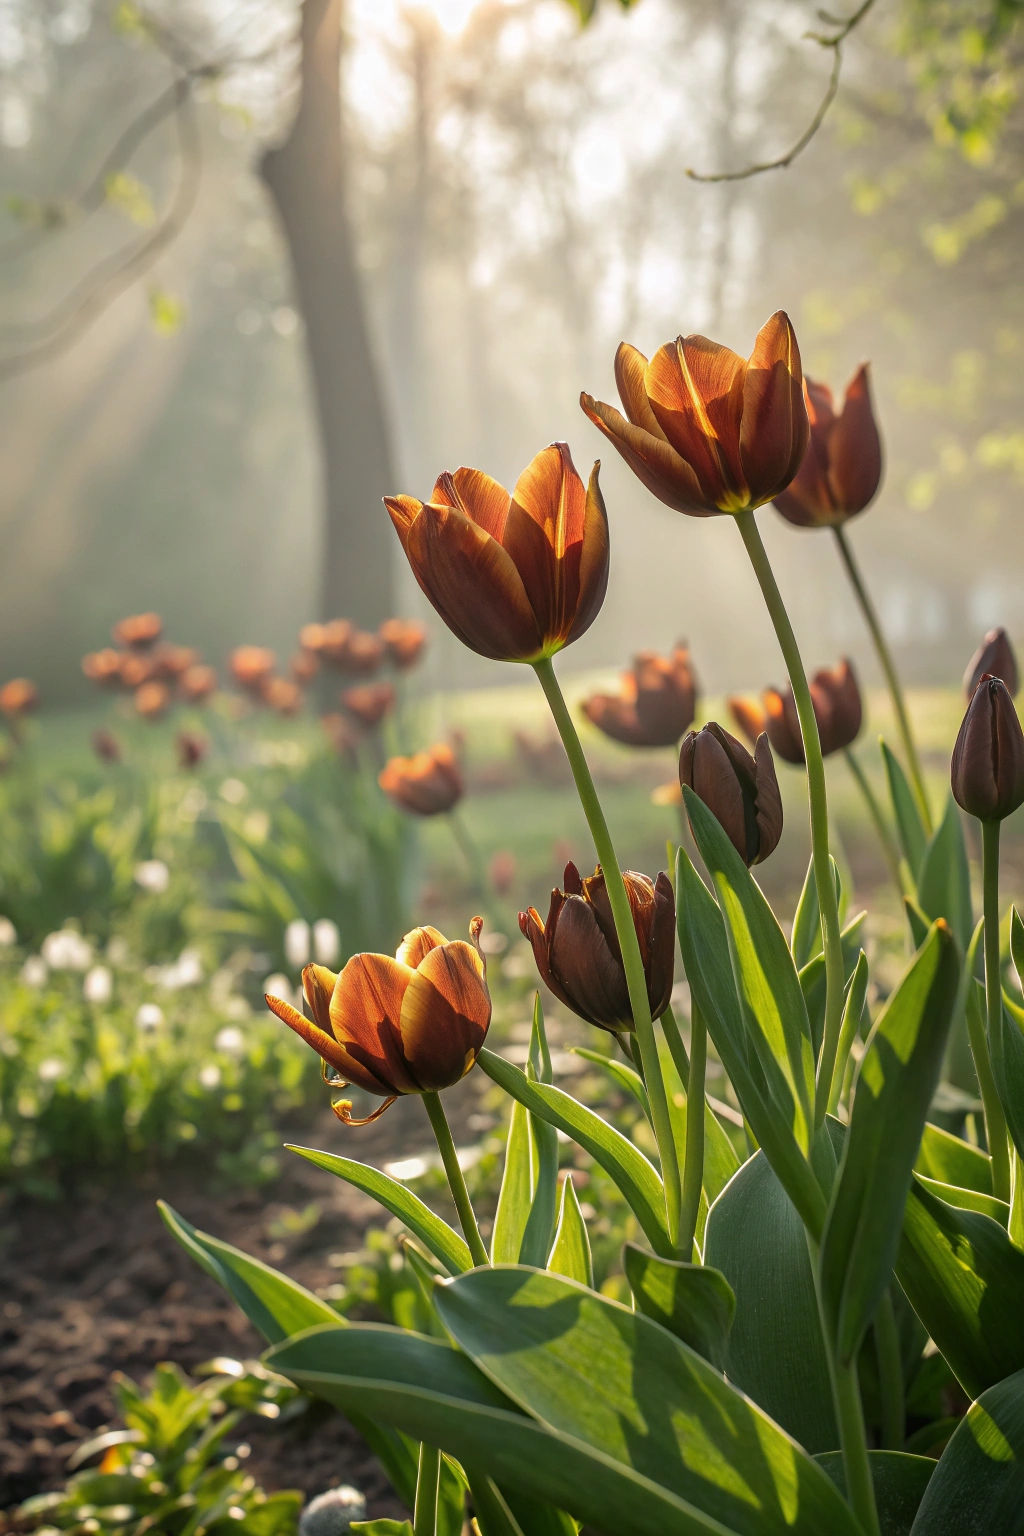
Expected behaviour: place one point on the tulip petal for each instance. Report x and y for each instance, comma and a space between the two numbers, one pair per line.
472, 582
445, 1016
594, 560
616, 717
531, 927
782, 724
586, 968
774, 429
695, 388
544, 536
482, 499
417, 944
807, 501
630, 372
318, 983
769, 800
655, 463
365, 1012
855, 449
748, 715
660, 965
714, 780
326, 1047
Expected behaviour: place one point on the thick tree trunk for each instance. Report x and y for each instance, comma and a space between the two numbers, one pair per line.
306, 178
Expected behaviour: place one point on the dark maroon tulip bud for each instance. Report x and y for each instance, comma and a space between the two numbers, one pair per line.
987, 770
577, 949
836, 701
740, 790
995, 657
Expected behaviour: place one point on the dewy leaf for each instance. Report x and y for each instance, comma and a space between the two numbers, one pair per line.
705, 951
435, 1234
765, 977
634, 1175
944, 884
899, 1482
894, 1087
518, 1185
964, 1279
776, 1351
435, 1393
978, 1484
693, 1301
570, 1254
595, 1372
945, 1157
909, 826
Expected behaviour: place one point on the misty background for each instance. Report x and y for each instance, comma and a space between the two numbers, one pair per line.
517, 203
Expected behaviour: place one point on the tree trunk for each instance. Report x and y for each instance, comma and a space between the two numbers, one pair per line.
306, 178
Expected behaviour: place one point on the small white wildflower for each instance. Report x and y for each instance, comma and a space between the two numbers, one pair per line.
118, 952
35, 971
153, 876
326, 941
8, 934
296, 943
187, 971
279, 986
66, 950
98, 986
51, 1069
149, 1017
209, 1076
229, 1040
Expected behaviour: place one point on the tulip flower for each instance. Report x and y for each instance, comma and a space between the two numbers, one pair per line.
18, 697
837, 709
106, 746
404, 641
516, 577
341, 734
333, 640
740, 790
304, 666
578, 953
370, 703
192, 748
103, 667
987, 767
136, 669
138, 632
172, 661
995, 658
842, 467
704, 430
427, 783
363, 652
152, 700
250, 666
197, 683
282, 695
655, 705
750, 715
312, 637
412, 1024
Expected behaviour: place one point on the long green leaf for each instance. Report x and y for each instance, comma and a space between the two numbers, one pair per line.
627, 1166
967, 1199
570, 1252
806, 940
765, 977
435, 1235
693, 1301
435, 1393
965, 1280
944, 884
622, 1076
540, 1223
978, 1484
945, 1157
1006, 1045
899, 1482
895, 1083
595, 1371
705, 951
909, 826
812, 977
518, 1184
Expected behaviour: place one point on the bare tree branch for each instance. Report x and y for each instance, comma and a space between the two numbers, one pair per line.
834, 42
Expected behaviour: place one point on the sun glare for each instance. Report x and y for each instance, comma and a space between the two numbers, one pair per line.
389, 15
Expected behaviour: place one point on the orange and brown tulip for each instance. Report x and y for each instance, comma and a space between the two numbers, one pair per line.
707, 431
404, 640
835, 697
341, 734
995, 658
334, 639
250, 666
655, 704
428, 783
412, 1024
842, 468
312, 637
172, 661
135, 669
282, 695
516, 577
741, 791
139, 631
197, 683
577, 949
103, 667
152, 700
18, 697
987, 767
304, 666
363, 653
369, 703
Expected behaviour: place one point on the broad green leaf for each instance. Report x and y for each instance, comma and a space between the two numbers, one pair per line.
570, 1254
622, 1076
435, 1235
518, 1185
964, 1279
1007, 1049
381, 1528
1015, 1221
693, 1301
945, 1157
806, 940
528, 1516
776, 1351
944, 884
894, 1086
812, 977
967, 1199
435, 1393
899, 1482
978, 1482
705, 951
909, 826
631, 1171
596, 1372
765, 977
540, 1223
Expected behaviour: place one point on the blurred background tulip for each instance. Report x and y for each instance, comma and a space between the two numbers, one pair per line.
139, 631
656, 702
995, 658
369, 703
842, 468
427, 783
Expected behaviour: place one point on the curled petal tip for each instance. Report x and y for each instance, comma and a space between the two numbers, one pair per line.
343, 1109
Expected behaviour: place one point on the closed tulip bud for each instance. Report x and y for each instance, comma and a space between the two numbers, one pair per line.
412, 1024
404, 640
370, 703
152, 700
655, 705
577, 949
427, 783
842, 468
18, 697
250, 667
741, 791
995, 658
103, 667
516, 577
138, 632
707, 431
987, 768
197, 683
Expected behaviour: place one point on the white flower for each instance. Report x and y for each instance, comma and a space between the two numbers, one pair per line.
35, 971
98, 986
153, 876
296, 943
279, 986
51, 1069
229, 1040
209, 1076
66, 950
187, 971
326, 941
149, 1017
118, 952
8, 935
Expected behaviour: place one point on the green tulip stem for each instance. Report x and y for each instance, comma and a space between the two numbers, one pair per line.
633, 965
860, 1490
834, 977
890, 1375
995, 1121
428, 1477
693, 1168
892, 857
899, 704
677, 1050
456, 1181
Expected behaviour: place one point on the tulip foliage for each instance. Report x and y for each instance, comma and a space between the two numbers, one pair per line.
790, 1309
